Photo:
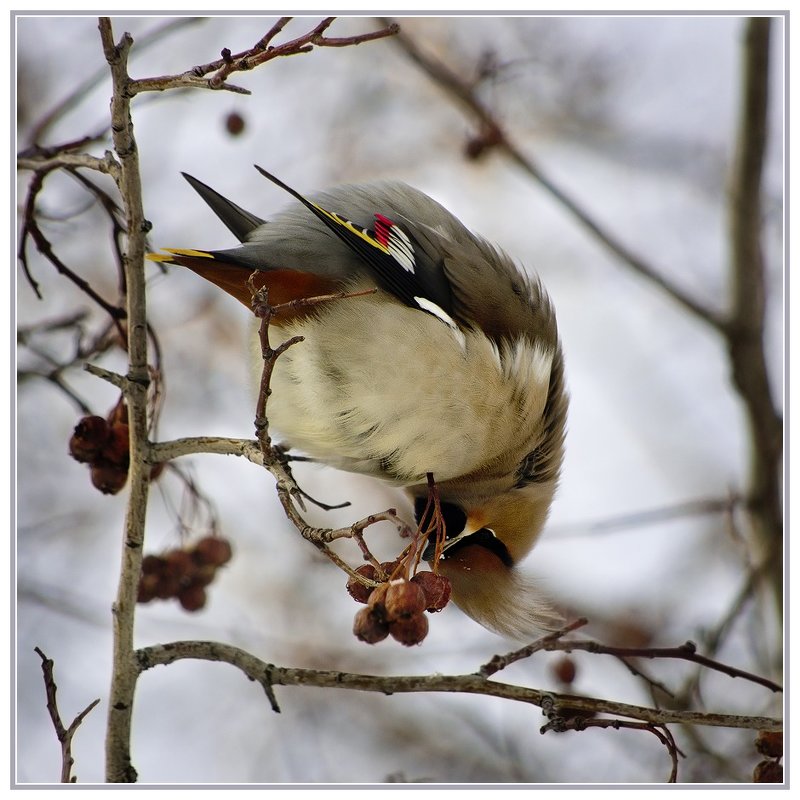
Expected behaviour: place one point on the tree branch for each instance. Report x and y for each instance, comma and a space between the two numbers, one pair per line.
123, 682
744, 328
269, 675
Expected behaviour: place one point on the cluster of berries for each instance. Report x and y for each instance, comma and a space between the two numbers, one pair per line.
183, 573
770, 770
104, 445
396, 607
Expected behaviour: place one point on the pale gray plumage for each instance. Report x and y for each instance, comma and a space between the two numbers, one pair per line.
453, 368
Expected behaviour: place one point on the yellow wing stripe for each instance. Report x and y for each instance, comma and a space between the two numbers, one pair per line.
352, 228
177, 251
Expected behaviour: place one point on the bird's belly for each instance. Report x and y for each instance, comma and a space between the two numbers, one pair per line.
393, 392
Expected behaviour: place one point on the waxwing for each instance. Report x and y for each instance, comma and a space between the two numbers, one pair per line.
453, 368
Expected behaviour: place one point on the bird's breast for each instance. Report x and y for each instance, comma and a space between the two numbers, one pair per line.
391, 391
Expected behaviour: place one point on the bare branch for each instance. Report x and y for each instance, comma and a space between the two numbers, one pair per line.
744, 329
501, 662
269, 675
123, 683
257, 55
64, 735
685, 652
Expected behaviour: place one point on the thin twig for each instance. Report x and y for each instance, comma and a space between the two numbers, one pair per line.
259, 54
499, 662
64, 735
685, 652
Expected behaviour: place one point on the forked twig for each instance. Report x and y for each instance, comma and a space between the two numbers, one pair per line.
63, 734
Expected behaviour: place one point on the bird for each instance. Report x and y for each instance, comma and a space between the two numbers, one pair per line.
451, 369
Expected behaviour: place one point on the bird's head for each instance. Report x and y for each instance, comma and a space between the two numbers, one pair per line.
486, 538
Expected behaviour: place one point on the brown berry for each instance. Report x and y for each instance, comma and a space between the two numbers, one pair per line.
377, 598
117, 449
768, 771
369, 627
357, 590
389, 568
147, 588
564, 669
234, 123
212, 550
436, 589
152, 564
167, 586
404, 599
88, 438
409, 630
192, 598
178, 563
202, 574
119, 414
109, 478
770, 743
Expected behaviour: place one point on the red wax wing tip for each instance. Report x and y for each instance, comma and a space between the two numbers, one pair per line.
382, 227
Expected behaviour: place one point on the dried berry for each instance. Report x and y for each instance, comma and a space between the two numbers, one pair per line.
178, 563
404, 599
436, 589
389, 568
117, 448
770, 743
768, 771
192, 597
88, 438
213, 551
564, 669
147, 588
409, 630
376, 600
109, 478
152, 564
234, 123
202, 574
369, 627
167, 586
119, 414
357, 590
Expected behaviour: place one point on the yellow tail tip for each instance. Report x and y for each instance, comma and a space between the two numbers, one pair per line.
168, 256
